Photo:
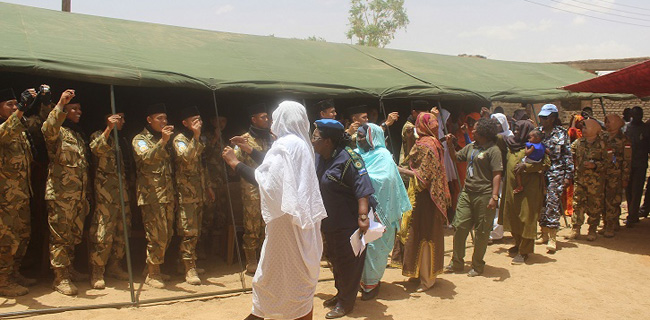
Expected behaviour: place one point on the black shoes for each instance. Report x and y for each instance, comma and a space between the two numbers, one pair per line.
337, 312
370, 294
331, 302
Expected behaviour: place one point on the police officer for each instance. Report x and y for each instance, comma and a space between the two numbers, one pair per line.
155, 190
191, 186
259, 137
107, 247
15, 191
66, 189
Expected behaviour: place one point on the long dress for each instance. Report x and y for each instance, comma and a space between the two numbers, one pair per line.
521, 210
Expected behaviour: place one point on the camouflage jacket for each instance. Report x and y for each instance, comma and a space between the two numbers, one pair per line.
214, 162
153, 163
619, 150
594, 152
15, 160
67, 177
190, 173
107, 188
249, 191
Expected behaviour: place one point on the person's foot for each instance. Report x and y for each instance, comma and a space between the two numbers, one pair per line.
331, 302
513, 251
337, 312
369, 295
519, 259
631, 223
591, 236
574, 235
473, 273
450, 269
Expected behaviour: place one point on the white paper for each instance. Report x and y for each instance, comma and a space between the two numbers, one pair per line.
375, 231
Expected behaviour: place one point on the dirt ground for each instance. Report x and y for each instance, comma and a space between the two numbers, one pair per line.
604, 279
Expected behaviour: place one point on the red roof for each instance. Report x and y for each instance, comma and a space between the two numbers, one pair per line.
634, 79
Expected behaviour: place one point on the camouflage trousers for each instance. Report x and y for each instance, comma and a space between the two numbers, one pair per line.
158, 220
107, 233
214, 214
253, 226
613, 196
587, 199
14, 233
552, 211
188, 226
66, 221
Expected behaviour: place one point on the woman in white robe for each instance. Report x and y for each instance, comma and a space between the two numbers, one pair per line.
292, 208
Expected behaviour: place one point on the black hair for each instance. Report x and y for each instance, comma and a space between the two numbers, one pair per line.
338, 137
588, 109
536, 132
487, 128
499, 109
324, 104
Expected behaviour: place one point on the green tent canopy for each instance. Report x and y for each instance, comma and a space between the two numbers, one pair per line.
119, 52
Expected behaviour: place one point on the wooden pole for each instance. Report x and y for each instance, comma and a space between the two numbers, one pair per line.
65, 5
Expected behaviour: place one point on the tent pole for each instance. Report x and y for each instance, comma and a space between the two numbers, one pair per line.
232, 212
390, 139
126, 227
602, 105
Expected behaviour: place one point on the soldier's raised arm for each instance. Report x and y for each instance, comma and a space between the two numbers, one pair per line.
194, 148
52, 126
99, 143
155, 153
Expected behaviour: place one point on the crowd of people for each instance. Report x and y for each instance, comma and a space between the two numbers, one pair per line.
308, 191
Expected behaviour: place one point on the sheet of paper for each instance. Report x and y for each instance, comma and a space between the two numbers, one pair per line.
357, 242
375, 231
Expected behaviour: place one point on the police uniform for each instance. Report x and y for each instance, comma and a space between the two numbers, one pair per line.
66, 189
588, 183
107, 227
343, 180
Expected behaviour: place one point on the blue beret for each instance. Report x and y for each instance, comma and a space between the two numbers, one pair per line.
329, 123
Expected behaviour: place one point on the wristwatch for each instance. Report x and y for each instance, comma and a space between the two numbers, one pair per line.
363, 217
495, 197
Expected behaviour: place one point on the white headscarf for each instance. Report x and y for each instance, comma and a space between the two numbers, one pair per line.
287, 177
503, 120
449, 163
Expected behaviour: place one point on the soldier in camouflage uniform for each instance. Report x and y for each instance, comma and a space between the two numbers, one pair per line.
214, 212
192, 189
259, 138
618, 174
66, 189
591, 165
108, 246
15, 191
155, 189
358, 116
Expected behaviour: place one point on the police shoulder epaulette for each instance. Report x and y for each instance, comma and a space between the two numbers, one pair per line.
356, 161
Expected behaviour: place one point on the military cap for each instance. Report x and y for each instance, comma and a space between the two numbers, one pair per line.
156, 108
7, 94
189, 112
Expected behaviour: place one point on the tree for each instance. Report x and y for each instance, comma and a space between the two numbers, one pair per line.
315, 38
374, 22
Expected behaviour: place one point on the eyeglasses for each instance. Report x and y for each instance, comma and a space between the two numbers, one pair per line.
315, 138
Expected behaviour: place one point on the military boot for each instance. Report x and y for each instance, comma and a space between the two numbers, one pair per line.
575, 233
591, 236
97, 278
77, 276
62, 282
114, 270
191, 276
601, 231
165, 277
154, 277
544, 238
609, 230
552, 240
251, 261
20, 279
9, 288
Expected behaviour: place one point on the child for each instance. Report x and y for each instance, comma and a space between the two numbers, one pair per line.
535, 151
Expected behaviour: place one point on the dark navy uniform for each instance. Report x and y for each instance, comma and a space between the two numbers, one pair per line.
343, 180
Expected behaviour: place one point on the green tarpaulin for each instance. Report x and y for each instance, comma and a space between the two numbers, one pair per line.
112, 51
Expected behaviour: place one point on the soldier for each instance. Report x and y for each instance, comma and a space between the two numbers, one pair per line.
15, 190
155, 189
214, 212
326, 109
590, 159
259, 137
66, 189
618, 174
107, 228
191, 186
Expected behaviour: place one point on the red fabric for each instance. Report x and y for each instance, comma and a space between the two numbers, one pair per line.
634, 80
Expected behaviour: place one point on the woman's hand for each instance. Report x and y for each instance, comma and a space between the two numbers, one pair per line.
519, 167
363, 224
229, 157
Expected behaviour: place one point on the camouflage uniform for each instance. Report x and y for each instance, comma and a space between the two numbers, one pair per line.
589, 186
155, 191
15, 191
107, 227
253, 223
190, 182
214, 213
620, 156
66, 187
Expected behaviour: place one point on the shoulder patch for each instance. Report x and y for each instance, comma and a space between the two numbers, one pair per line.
356, 161
181, 146
142, 145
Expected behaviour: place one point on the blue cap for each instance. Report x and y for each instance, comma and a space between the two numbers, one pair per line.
547, 109
329, 123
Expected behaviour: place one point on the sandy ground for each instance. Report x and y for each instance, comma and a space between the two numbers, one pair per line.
604, 279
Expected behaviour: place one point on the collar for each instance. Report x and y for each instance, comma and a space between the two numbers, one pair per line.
157, 135
259, 133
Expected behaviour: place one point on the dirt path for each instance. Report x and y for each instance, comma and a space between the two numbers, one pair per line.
604, 279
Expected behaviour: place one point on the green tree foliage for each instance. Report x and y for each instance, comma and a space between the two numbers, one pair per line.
374, 22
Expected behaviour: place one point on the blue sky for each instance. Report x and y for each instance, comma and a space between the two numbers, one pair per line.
515, 30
